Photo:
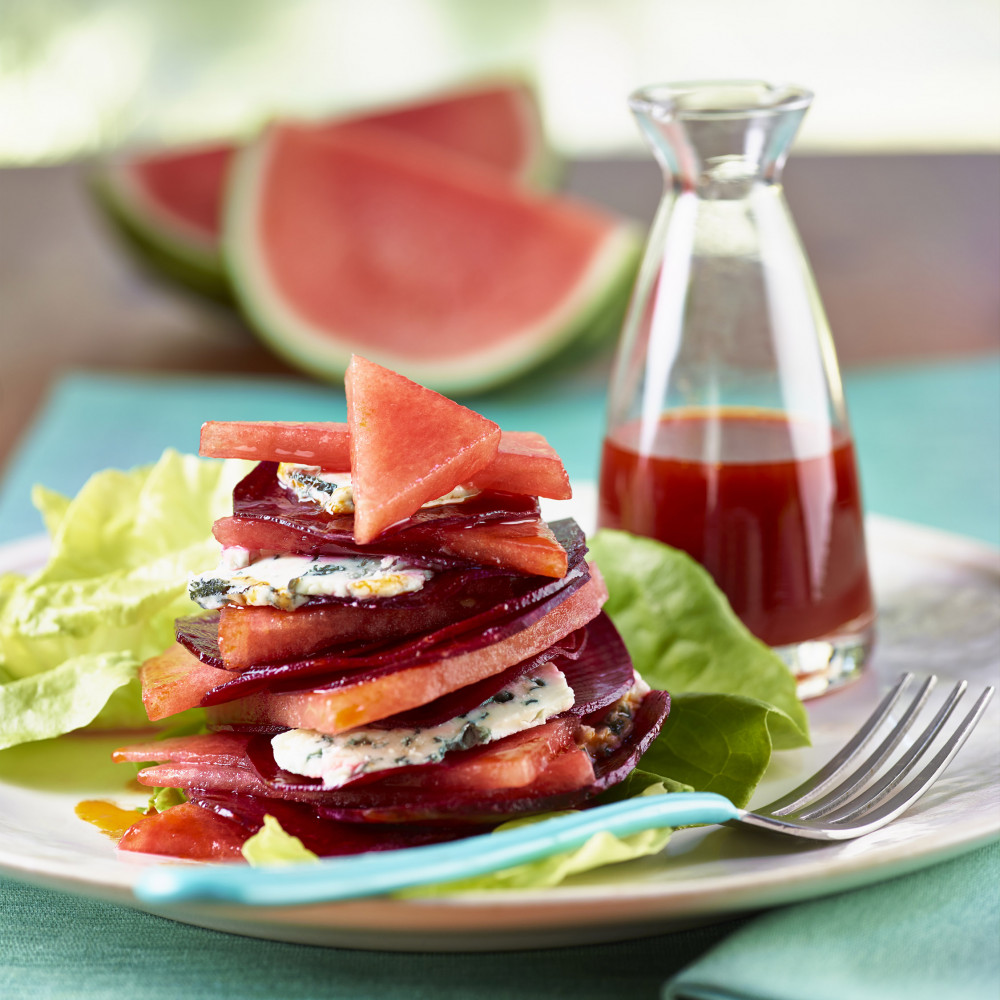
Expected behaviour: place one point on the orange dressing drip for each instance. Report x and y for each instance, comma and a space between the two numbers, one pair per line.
107, 817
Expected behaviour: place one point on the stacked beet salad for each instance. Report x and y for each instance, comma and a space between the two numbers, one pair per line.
395, 649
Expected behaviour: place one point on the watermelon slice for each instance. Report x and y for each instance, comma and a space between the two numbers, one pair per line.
409, 445
186, 831
168, 204
358, 239
524, 463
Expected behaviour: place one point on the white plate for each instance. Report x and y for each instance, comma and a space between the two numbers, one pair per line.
940, 601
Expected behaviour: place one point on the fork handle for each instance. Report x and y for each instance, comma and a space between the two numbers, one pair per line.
382, 872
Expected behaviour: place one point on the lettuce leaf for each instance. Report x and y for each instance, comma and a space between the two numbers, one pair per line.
602, 849
270, 845
73, 634
733, 699
69, 696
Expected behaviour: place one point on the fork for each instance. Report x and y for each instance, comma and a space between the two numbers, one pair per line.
847, 798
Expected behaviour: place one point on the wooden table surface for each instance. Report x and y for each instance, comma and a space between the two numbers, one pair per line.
906, 251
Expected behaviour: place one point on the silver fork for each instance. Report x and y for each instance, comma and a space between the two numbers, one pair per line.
847, 798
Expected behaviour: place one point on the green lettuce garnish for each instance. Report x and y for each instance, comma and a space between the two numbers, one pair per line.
599, 850
73, 634
270, 845
733, 699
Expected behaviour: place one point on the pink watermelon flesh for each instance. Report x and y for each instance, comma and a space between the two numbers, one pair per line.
209, 748
365, 239
409, 445
323, 444
187, 831
186, 188
496, 127
170, 681
524, 463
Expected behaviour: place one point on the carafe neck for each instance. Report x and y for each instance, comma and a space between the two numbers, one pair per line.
719, 139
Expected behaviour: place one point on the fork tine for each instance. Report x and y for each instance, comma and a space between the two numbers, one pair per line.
826, 775
865, 775
874, 818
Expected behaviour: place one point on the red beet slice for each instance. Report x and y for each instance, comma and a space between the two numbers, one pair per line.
337, 670
324, 837
347, 703
252, 636
492, 595
261, 496
210, 748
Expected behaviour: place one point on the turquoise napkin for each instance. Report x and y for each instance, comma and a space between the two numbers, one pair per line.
932, 935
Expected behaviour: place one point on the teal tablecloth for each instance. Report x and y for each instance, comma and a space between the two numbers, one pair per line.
929, 445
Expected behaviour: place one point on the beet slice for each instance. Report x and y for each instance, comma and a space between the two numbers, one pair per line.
324, 837
199, 633
390, 802
333, 670
253, 636
260, 495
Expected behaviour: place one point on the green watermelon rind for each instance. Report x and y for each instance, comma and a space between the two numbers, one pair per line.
326, 354
158, 243
545, 168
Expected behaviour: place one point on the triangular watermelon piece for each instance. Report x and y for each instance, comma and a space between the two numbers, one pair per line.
409, 445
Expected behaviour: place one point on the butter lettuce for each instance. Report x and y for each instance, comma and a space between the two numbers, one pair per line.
73, 634
733, 699
271, 845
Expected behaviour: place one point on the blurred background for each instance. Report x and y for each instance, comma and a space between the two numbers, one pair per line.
78, 75
894, 181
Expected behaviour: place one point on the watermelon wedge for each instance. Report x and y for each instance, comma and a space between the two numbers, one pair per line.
168, 204
360, 240
409, 445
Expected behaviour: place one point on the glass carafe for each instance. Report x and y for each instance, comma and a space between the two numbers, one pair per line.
727, 431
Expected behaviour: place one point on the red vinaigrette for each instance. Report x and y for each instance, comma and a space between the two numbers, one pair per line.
770, 506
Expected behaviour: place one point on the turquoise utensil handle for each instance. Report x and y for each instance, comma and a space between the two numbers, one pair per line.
382, 872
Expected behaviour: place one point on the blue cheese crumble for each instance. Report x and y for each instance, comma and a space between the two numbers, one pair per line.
334, 492
287, 582
526, 702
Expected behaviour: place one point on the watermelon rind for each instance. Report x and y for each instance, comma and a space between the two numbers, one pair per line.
164, 246
326, 353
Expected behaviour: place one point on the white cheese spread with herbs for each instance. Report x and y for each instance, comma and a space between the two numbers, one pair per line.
287, 582
334, 492
526, 702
